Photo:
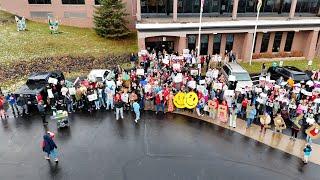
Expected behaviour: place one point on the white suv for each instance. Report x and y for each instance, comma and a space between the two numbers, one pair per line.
241, 75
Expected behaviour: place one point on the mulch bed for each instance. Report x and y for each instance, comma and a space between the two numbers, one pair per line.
66, 64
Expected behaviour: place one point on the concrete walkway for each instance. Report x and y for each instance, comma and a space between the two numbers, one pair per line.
275, 140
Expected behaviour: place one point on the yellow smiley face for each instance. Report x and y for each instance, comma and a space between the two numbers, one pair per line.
179, 99
191, 100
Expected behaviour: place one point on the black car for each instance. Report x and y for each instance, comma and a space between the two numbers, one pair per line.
288, 71
37, 83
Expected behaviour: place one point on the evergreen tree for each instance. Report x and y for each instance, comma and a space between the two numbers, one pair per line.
109, 19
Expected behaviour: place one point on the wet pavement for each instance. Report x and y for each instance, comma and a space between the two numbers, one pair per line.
160, 147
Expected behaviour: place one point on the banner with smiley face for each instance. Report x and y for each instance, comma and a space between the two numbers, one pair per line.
191, 100
179, 100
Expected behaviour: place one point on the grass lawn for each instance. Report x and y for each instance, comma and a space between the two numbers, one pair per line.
301, 64
38, 42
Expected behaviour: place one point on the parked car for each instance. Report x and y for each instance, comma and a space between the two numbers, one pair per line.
98, 75
288, 71
37, 83
240, 74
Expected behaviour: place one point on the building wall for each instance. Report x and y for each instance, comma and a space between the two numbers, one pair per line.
83, 14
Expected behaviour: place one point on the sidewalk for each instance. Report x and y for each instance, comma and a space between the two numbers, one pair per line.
275, 140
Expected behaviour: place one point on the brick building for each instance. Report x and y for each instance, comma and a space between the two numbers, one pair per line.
284, 25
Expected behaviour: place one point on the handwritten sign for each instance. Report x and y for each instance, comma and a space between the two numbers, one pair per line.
53, 81
140, 72
222, 113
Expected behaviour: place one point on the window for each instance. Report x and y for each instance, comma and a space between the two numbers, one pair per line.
247, 6
192, 42
272, 6
97, 2
229, 42
216, 43
157, 6
265, 42
41, 14
210, 6
73, 1
286, 6
204, 44
39, 1
276, 42
289, 41
307, 6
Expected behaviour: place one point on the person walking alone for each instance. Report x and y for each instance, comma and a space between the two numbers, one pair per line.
307, 152
49, 147
136, 109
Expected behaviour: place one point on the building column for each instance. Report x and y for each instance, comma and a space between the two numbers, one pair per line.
283, 41
235, 9
210, 44
223, 44
310, 45
175, 10
247, 46
292, 9
141, 44
319, 12
182, 44
318, 48
138, 14
258, 43
271, 40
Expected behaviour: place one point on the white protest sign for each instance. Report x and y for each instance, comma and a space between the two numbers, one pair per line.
310, 63
176, 66
165, 61
92, 97
194, 72
229, 93
186, 51
192, 84
72, 91
217, 86
232, 78
215, 73
64, 91
140, 72
50, 94
53, 81
202, 82
178, 78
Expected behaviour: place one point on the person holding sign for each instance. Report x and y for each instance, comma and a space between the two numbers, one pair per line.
118, 104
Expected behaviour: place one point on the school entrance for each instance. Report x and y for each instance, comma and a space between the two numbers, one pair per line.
162, 43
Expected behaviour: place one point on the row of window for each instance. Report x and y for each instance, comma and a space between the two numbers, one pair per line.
230, 39
226, 6
97, 2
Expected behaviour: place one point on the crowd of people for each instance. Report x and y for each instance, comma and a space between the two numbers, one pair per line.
156, 79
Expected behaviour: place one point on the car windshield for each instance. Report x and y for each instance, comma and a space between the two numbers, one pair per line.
242, 76
300, 77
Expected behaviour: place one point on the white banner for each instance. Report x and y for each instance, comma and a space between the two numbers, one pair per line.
53, 81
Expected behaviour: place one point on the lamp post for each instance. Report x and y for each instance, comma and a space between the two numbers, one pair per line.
255, 30
199, 36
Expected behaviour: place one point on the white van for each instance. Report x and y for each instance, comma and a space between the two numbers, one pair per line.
241, 75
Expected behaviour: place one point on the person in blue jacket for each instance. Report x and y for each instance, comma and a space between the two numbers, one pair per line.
136, 109
49, 147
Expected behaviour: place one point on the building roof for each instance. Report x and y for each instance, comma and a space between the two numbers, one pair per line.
229, 24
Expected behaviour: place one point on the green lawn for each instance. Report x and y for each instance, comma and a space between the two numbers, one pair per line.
301, 64
38, 42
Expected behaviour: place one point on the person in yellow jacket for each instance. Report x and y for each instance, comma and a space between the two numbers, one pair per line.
290, 82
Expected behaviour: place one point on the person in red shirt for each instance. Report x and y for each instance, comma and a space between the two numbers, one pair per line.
159, 103
39, 97
244, 105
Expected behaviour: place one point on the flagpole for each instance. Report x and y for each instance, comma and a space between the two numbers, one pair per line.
199, 36
255, 30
